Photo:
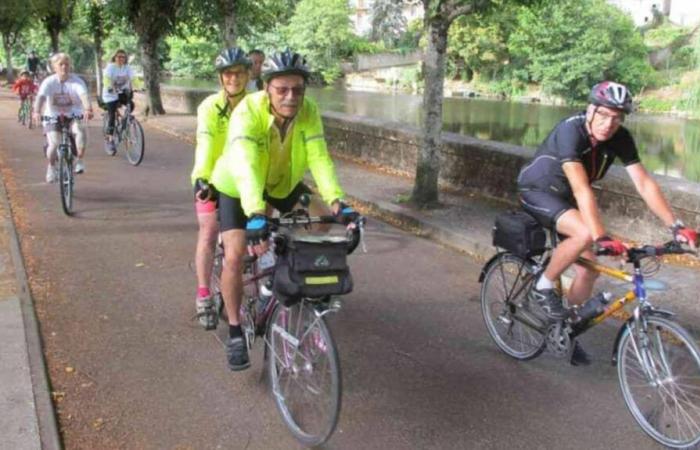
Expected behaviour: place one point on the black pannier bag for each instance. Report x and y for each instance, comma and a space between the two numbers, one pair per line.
312, 267
519, 233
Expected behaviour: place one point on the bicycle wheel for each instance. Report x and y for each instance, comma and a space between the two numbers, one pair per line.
65, 179
215, 281
134, 142
516, 326
304, 372
659, 373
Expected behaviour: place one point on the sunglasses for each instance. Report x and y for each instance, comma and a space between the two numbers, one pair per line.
283, 91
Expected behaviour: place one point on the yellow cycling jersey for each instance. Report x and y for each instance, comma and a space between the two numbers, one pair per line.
243, 169
213, 115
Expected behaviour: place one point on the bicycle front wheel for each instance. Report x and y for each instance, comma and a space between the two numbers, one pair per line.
65, 179
659, 373
304, 372
134, 142
515, 324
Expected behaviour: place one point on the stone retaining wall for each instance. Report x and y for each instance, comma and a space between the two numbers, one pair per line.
469, 164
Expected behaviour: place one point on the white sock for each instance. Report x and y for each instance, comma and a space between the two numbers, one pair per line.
544, 283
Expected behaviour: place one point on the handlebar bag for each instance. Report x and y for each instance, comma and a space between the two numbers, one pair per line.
312, 267
519, 233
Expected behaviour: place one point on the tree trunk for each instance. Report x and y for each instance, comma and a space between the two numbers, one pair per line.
99, 53
55, 40
7, 45
666, 8
228, 24
151, 74
425, 189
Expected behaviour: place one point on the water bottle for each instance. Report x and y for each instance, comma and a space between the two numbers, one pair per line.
265, 296
593, 307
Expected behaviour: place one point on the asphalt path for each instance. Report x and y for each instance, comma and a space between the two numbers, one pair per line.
114, 289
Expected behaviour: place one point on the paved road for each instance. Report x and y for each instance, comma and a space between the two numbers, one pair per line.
130, 369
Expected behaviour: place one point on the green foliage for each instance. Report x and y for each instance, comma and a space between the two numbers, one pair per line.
320, 30
192, 57
664, 35
599, 38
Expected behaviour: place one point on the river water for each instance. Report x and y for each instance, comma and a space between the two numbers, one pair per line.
668, 145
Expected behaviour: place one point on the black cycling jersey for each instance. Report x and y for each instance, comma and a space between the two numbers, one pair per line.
570, 141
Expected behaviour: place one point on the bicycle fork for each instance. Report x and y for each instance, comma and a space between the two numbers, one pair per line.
656, 370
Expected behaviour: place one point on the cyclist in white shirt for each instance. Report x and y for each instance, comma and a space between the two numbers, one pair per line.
117, 90
255, 83
63, 94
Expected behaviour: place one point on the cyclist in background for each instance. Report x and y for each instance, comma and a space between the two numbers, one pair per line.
117, 91
213, 116
257, 57
64, 94
274, 136
24, 87
555, 187
33, 63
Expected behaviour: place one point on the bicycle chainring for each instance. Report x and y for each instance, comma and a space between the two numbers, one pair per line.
558, 340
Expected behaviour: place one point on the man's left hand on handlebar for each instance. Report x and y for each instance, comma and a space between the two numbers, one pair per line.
684, 235
344, 213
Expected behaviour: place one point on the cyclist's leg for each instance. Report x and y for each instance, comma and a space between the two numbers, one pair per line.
232, 225
206, 243
577, 242
111, 113
53, 139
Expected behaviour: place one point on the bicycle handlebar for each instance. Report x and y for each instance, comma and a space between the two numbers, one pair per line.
301, 218
653, 251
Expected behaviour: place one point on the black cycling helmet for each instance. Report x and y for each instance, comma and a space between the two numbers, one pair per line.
230, 57
285, 63
612, 95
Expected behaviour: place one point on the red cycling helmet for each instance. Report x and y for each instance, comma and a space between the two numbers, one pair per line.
612, 95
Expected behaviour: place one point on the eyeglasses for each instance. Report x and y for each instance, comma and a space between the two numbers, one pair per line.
614, 118
283, 91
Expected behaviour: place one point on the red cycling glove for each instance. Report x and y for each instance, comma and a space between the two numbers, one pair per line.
609, 246
684, 235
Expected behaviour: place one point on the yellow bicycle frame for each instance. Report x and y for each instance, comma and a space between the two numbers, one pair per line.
616, 305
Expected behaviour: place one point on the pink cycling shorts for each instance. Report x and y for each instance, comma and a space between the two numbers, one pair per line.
207, 207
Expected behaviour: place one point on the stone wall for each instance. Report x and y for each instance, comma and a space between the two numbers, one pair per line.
469, 164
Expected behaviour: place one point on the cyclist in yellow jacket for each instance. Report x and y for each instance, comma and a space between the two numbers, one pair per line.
274, 136
213, 116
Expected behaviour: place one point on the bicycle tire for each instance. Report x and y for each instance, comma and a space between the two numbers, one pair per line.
292, 368
512, 323
651, 400
134, 144
215, 282
65, 179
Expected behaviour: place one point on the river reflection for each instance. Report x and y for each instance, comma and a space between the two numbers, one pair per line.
669, 146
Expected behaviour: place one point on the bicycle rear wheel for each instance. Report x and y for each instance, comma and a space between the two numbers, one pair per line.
134, 142
65, 178
659, 373
516, 326
304, 372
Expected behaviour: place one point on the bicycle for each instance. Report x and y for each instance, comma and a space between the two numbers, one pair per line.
26, 111
127, 132
300, 352
67, 153
651, 351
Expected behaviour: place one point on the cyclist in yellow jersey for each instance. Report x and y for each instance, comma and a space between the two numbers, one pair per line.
213, 116
274, 136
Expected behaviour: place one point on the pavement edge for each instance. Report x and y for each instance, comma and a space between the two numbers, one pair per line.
46, 415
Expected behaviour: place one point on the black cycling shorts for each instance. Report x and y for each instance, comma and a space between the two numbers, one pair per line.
232, 217
547, 208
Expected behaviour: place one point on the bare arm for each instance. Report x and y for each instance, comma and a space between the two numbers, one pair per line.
583, 193
651, 193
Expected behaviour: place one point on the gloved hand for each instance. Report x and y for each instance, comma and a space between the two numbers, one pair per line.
205, 191
345, 214
684, 235
610, 246
257, 229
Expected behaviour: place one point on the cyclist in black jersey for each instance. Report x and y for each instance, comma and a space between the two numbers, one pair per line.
555, 187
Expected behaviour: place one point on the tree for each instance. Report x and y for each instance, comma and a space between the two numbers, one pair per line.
438, 16
13, 19
321, 31
601, 39
56, 15
388, 21
95, 16
152, 20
